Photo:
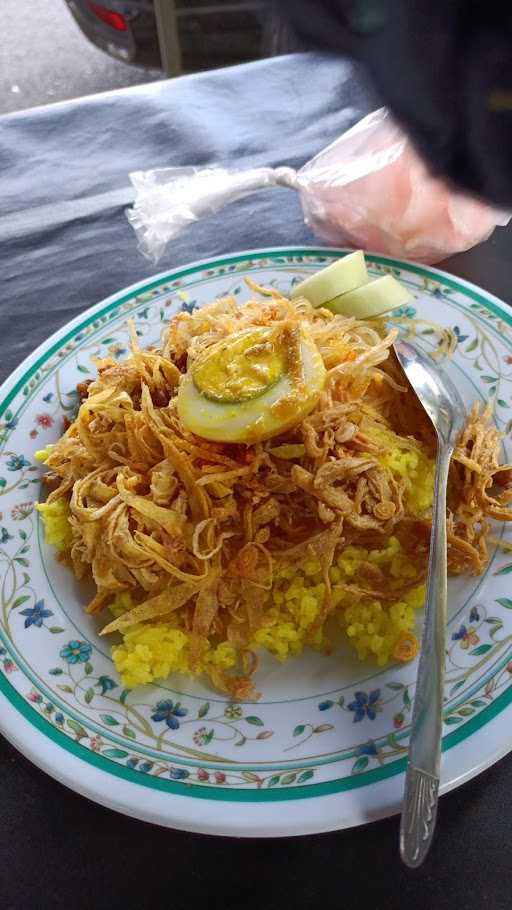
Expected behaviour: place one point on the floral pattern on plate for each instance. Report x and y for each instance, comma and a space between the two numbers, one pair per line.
298, 737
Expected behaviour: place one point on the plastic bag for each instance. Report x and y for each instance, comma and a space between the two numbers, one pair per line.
369, 189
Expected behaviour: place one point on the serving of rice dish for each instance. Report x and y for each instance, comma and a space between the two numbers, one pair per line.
259, 481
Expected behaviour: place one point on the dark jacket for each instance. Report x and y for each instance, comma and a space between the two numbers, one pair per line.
443, 67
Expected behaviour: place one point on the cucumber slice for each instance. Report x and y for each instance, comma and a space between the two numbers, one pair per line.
373, 299
342, 276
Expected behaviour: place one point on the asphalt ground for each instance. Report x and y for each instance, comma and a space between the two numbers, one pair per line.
44, 57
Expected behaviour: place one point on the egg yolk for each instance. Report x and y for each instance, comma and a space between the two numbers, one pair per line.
241, 367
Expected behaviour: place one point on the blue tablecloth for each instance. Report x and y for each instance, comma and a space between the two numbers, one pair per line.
65, 244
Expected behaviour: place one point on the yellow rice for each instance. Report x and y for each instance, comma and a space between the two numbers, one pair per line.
379, 630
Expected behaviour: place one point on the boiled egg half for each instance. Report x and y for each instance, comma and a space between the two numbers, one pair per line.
252, 385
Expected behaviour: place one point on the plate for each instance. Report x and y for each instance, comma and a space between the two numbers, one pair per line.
325, 746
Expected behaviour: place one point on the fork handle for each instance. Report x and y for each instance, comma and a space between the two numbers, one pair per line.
423, 770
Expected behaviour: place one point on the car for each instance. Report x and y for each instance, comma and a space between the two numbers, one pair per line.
179, 36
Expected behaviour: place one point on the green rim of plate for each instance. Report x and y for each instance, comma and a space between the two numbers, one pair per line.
205, 792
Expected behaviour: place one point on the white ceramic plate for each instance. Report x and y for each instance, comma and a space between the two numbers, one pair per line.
325, 746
